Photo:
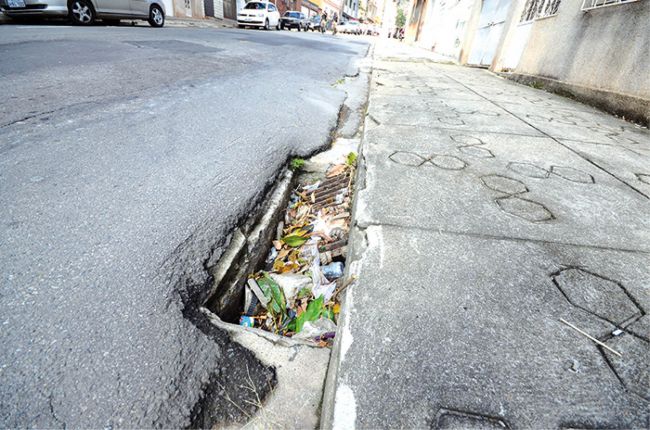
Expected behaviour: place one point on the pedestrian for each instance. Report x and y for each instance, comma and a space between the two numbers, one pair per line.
323, 21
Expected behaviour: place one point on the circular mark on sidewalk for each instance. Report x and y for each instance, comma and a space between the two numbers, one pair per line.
643, 177
476, 151
535, 117
528, 169
573, 175
525, 209
504, 184
602, 297
448, 162
407, 158
451, 121
467, 140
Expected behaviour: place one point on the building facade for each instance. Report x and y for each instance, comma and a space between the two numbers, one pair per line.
595, 50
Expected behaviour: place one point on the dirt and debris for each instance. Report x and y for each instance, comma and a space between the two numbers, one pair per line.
296, 294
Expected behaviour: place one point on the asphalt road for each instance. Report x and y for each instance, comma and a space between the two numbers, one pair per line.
127, 154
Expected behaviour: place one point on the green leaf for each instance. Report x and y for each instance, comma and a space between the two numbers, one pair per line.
351, 159
304, 292
294, 240
273, 292
313, 312
279, 304
328, 313
265, 286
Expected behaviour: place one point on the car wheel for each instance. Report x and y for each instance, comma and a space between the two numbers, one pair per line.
277, 27
266, 24
156, 16
241, 26
82, 12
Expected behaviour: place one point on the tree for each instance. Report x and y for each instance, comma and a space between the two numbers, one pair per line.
400, 19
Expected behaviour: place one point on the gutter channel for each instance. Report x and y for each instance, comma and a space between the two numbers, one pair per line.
273, 398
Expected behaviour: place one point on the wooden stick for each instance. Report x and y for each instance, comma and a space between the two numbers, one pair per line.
346, 284
591, 338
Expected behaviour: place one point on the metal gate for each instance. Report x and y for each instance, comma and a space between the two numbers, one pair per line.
230, 9
488, 34
208, 5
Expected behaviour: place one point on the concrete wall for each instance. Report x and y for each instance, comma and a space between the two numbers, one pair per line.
445, 27
606, 49
195, 9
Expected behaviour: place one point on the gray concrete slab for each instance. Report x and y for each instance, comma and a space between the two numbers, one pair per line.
497, 184
629, 163
471, 243
452, 331
582, 126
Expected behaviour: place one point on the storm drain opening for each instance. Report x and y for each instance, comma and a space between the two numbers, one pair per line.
284, 269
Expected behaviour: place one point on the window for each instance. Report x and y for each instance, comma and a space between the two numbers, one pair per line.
255, 5
271, 8
536, 9
595, 4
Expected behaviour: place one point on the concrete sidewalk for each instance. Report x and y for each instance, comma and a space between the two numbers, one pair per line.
489, 211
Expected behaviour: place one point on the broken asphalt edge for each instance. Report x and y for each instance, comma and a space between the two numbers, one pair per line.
225, 382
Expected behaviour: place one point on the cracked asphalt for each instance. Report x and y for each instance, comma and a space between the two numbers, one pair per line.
127, 154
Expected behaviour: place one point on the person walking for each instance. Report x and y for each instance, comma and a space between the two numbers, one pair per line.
323, 22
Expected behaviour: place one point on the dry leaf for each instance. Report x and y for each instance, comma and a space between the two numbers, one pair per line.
336, 170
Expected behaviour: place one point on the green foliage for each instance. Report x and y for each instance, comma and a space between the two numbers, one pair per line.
537, 85
271, 289
400, 19
351, 160
313, 312
296, 239
296, 164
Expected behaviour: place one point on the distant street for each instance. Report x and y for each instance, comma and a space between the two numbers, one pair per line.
127, 155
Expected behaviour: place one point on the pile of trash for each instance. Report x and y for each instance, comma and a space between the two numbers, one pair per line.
297, 293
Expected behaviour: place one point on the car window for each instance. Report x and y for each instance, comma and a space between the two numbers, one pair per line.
255, 5
302, 16
271, 8
292, 14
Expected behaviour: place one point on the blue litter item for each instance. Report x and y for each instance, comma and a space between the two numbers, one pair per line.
246, 321
333, 270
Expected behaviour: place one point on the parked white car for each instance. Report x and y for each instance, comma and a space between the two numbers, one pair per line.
260, 14
349, 27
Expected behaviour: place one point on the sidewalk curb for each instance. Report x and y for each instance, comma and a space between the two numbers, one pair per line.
357, 244
207, 22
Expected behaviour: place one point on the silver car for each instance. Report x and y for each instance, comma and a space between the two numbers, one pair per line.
84, 12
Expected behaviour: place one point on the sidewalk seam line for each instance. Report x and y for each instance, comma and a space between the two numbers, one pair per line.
551, 137
503, 238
